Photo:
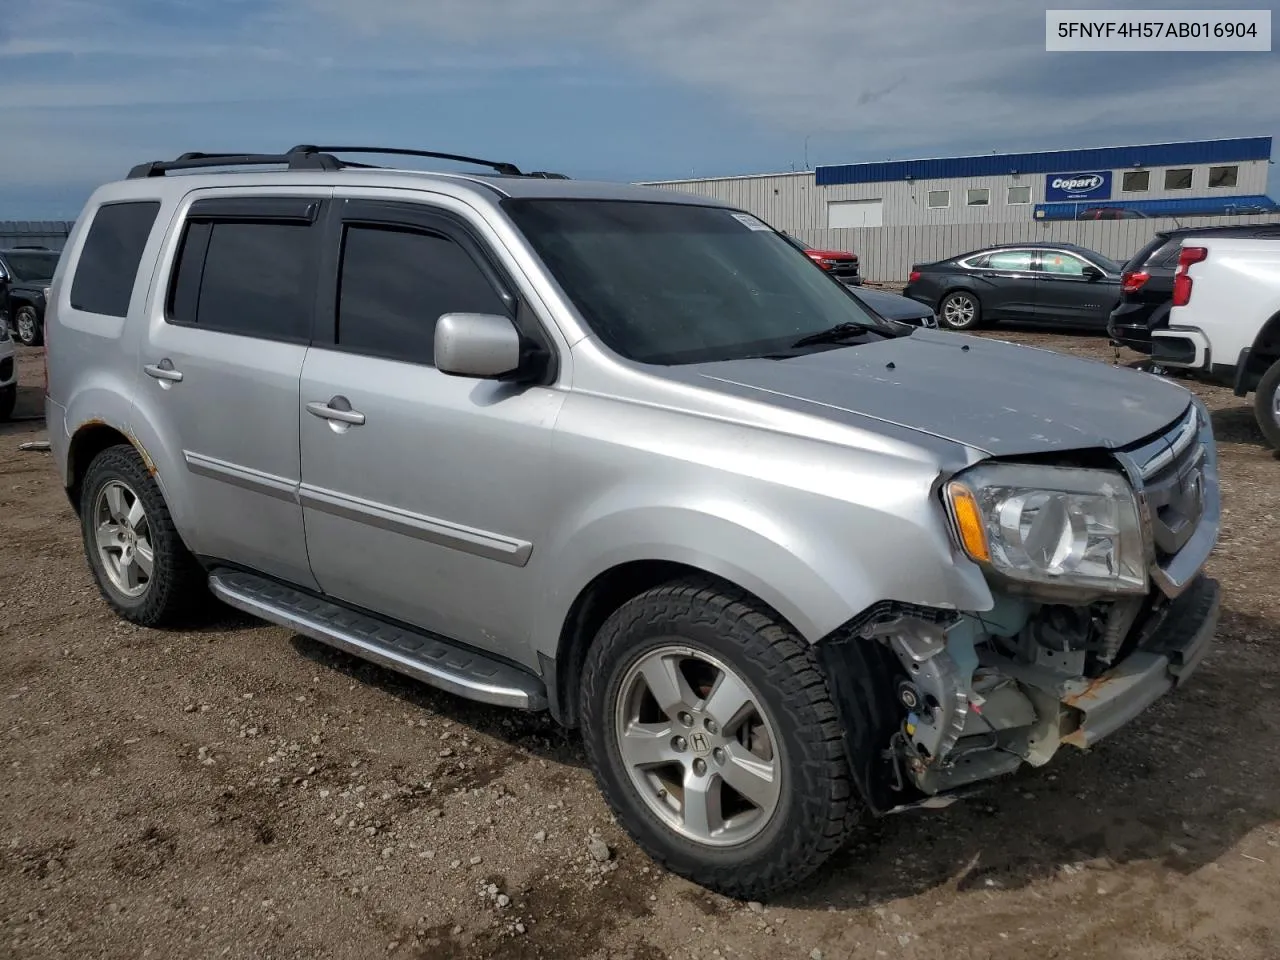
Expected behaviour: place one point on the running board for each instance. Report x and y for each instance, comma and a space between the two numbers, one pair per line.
423, 656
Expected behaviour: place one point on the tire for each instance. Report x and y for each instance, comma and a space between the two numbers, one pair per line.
27, 328
965, 309
813, 807
8, 400
1266, 405
175, 589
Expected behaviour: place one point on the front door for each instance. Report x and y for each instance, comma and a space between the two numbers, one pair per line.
1068, 294
422, 493
222, 357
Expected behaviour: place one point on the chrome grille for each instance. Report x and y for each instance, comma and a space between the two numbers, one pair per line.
1176, 478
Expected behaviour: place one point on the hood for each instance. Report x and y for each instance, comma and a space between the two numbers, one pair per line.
997, 397
832, 254
891, 305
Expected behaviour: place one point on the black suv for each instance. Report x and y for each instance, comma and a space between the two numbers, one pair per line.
1146, 285
24, 274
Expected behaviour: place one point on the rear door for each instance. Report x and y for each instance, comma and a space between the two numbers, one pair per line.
1067, 294
1009, 285
423, 497
221, 362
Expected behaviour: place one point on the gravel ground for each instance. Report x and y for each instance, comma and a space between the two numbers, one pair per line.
241, 792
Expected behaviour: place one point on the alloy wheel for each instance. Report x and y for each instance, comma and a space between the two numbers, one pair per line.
698, 745
960, 311
123, 538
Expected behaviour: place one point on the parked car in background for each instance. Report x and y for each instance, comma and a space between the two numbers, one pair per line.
892, 306
1059, 284
1224, 325
8, 374
841, 264
1146, 284
25, 272
779, 560
1111, 213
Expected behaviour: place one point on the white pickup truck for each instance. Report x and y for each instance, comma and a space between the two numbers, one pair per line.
1225, 322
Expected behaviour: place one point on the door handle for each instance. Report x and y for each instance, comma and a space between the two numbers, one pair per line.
163, 371
333, 410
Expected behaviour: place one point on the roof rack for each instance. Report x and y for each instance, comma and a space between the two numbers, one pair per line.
311, 157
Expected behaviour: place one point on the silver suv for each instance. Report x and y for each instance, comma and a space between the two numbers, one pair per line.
626, 456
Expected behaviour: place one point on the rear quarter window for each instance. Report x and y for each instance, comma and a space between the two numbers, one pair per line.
108, 264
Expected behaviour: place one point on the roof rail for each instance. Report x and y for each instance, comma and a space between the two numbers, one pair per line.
196, 161
499, 166
311, 157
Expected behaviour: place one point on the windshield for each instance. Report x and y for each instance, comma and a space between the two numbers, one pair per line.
29, 266
671, 283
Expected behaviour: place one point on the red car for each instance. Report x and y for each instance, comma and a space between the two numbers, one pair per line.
839, 263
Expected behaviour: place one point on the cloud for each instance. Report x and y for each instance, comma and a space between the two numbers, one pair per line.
104, 82
897, 75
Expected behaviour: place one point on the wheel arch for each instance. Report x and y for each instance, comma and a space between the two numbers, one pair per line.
596, 602
1266, 345
89, 440
959, 286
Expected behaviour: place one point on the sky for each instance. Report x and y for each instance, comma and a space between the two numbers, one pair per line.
603, 89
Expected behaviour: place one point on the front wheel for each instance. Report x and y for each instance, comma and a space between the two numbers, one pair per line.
713, 737
960, 311
26, 327
1266, 405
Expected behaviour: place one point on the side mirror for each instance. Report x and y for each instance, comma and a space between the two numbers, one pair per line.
481, 345
1093, 273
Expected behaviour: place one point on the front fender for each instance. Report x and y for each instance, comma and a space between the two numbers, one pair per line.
811, 574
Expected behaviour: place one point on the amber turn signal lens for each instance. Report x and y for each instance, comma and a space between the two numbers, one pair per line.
968, 522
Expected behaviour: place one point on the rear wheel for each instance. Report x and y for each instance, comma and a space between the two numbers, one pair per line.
26, 326
8, 400
1266, 405
960, 310
713, 738
142, 567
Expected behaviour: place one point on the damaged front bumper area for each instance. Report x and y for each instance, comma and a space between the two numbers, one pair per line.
934, 701
971, 699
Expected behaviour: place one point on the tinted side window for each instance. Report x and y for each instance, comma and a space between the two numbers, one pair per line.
246, 278
1010, 260
1062, 264
109, 260
396, 283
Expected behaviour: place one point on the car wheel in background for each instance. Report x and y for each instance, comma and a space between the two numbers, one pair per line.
8, 400
26, 327
714, 739
960, 311
139, 561
1266, 405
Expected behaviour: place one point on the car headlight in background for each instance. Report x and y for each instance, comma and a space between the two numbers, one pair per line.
1059, 526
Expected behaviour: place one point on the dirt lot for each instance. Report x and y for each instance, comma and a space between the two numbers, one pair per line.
241, 792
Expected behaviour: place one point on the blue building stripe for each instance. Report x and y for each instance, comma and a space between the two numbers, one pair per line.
1054, 161
1183, 206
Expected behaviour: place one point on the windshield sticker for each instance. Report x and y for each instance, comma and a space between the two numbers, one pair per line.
750, 222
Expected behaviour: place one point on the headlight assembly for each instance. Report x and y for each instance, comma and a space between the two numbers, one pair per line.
1058, 526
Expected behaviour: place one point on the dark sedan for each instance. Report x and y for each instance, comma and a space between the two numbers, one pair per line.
893, 307
1060, 284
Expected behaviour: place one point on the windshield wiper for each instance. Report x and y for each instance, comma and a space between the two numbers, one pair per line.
838, 334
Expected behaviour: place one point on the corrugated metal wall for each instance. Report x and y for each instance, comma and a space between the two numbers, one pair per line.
887, 253
45, 233
794, 202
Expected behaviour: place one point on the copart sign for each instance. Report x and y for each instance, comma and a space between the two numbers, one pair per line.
1093, 185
